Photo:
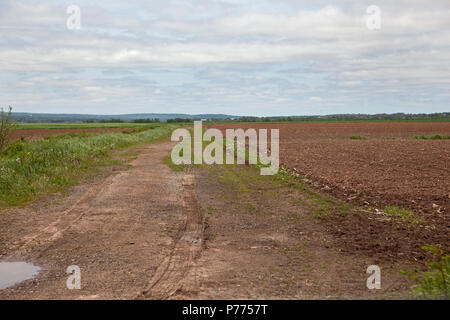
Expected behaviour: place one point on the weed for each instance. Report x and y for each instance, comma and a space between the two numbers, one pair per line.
434, 283
404, 214
210, 210
433, 137
357, 138
6, 127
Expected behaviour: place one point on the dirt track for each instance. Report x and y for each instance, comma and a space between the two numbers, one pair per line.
151, 233
118, 231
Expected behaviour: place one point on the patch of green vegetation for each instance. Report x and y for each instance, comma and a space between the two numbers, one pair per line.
210, 210
433, 283
251, 208
292, 217
433, 137
344, 207
404, 214
319, 205
180, 167
175, 167
30, 169
358, 138
246, 186
288, 251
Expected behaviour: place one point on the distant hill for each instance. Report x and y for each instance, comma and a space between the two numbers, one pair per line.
58, 118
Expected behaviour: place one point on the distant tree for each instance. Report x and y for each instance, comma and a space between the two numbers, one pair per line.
155, 120
6, 127
112, 121
178, 120
248, 119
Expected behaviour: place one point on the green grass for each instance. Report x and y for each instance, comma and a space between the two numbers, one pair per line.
175, 167
84, 125
30, 169
433, 283
357, 138
433, 137
404, 214
210, 210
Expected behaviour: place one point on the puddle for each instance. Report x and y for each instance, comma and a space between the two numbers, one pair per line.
12, 273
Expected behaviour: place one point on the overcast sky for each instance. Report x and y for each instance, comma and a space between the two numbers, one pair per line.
242, 57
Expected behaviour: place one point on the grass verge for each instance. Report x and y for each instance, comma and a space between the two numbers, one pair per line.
30, 169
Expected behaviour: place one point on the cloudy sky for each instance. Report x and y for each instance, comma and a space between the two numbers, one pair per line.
243, 57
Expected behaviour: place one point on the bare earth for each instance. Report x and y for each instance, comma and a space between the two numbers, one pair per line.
152, 233
389, 167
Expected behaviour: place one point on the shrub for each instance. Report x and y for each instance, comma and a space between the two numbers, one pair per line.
434, 283
6, 127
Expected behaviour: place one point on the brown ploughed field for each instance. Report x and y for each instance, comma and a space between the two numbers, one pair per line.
390, 167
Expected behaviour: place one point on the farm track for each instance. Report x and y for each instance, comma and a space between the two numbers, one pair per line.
173, 274
36, 244
142, 234
117, 231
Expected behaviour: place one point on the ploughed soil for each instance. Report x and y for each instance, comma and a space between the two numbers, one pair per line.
33, 134
212, 232
387, 168
264, 240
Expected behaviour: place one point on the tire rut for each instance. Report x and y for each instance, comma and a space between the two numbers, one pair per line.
176, 274
37, 244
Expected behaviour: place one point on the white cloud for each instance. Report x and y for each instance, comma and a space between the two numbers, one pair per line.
233, 49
